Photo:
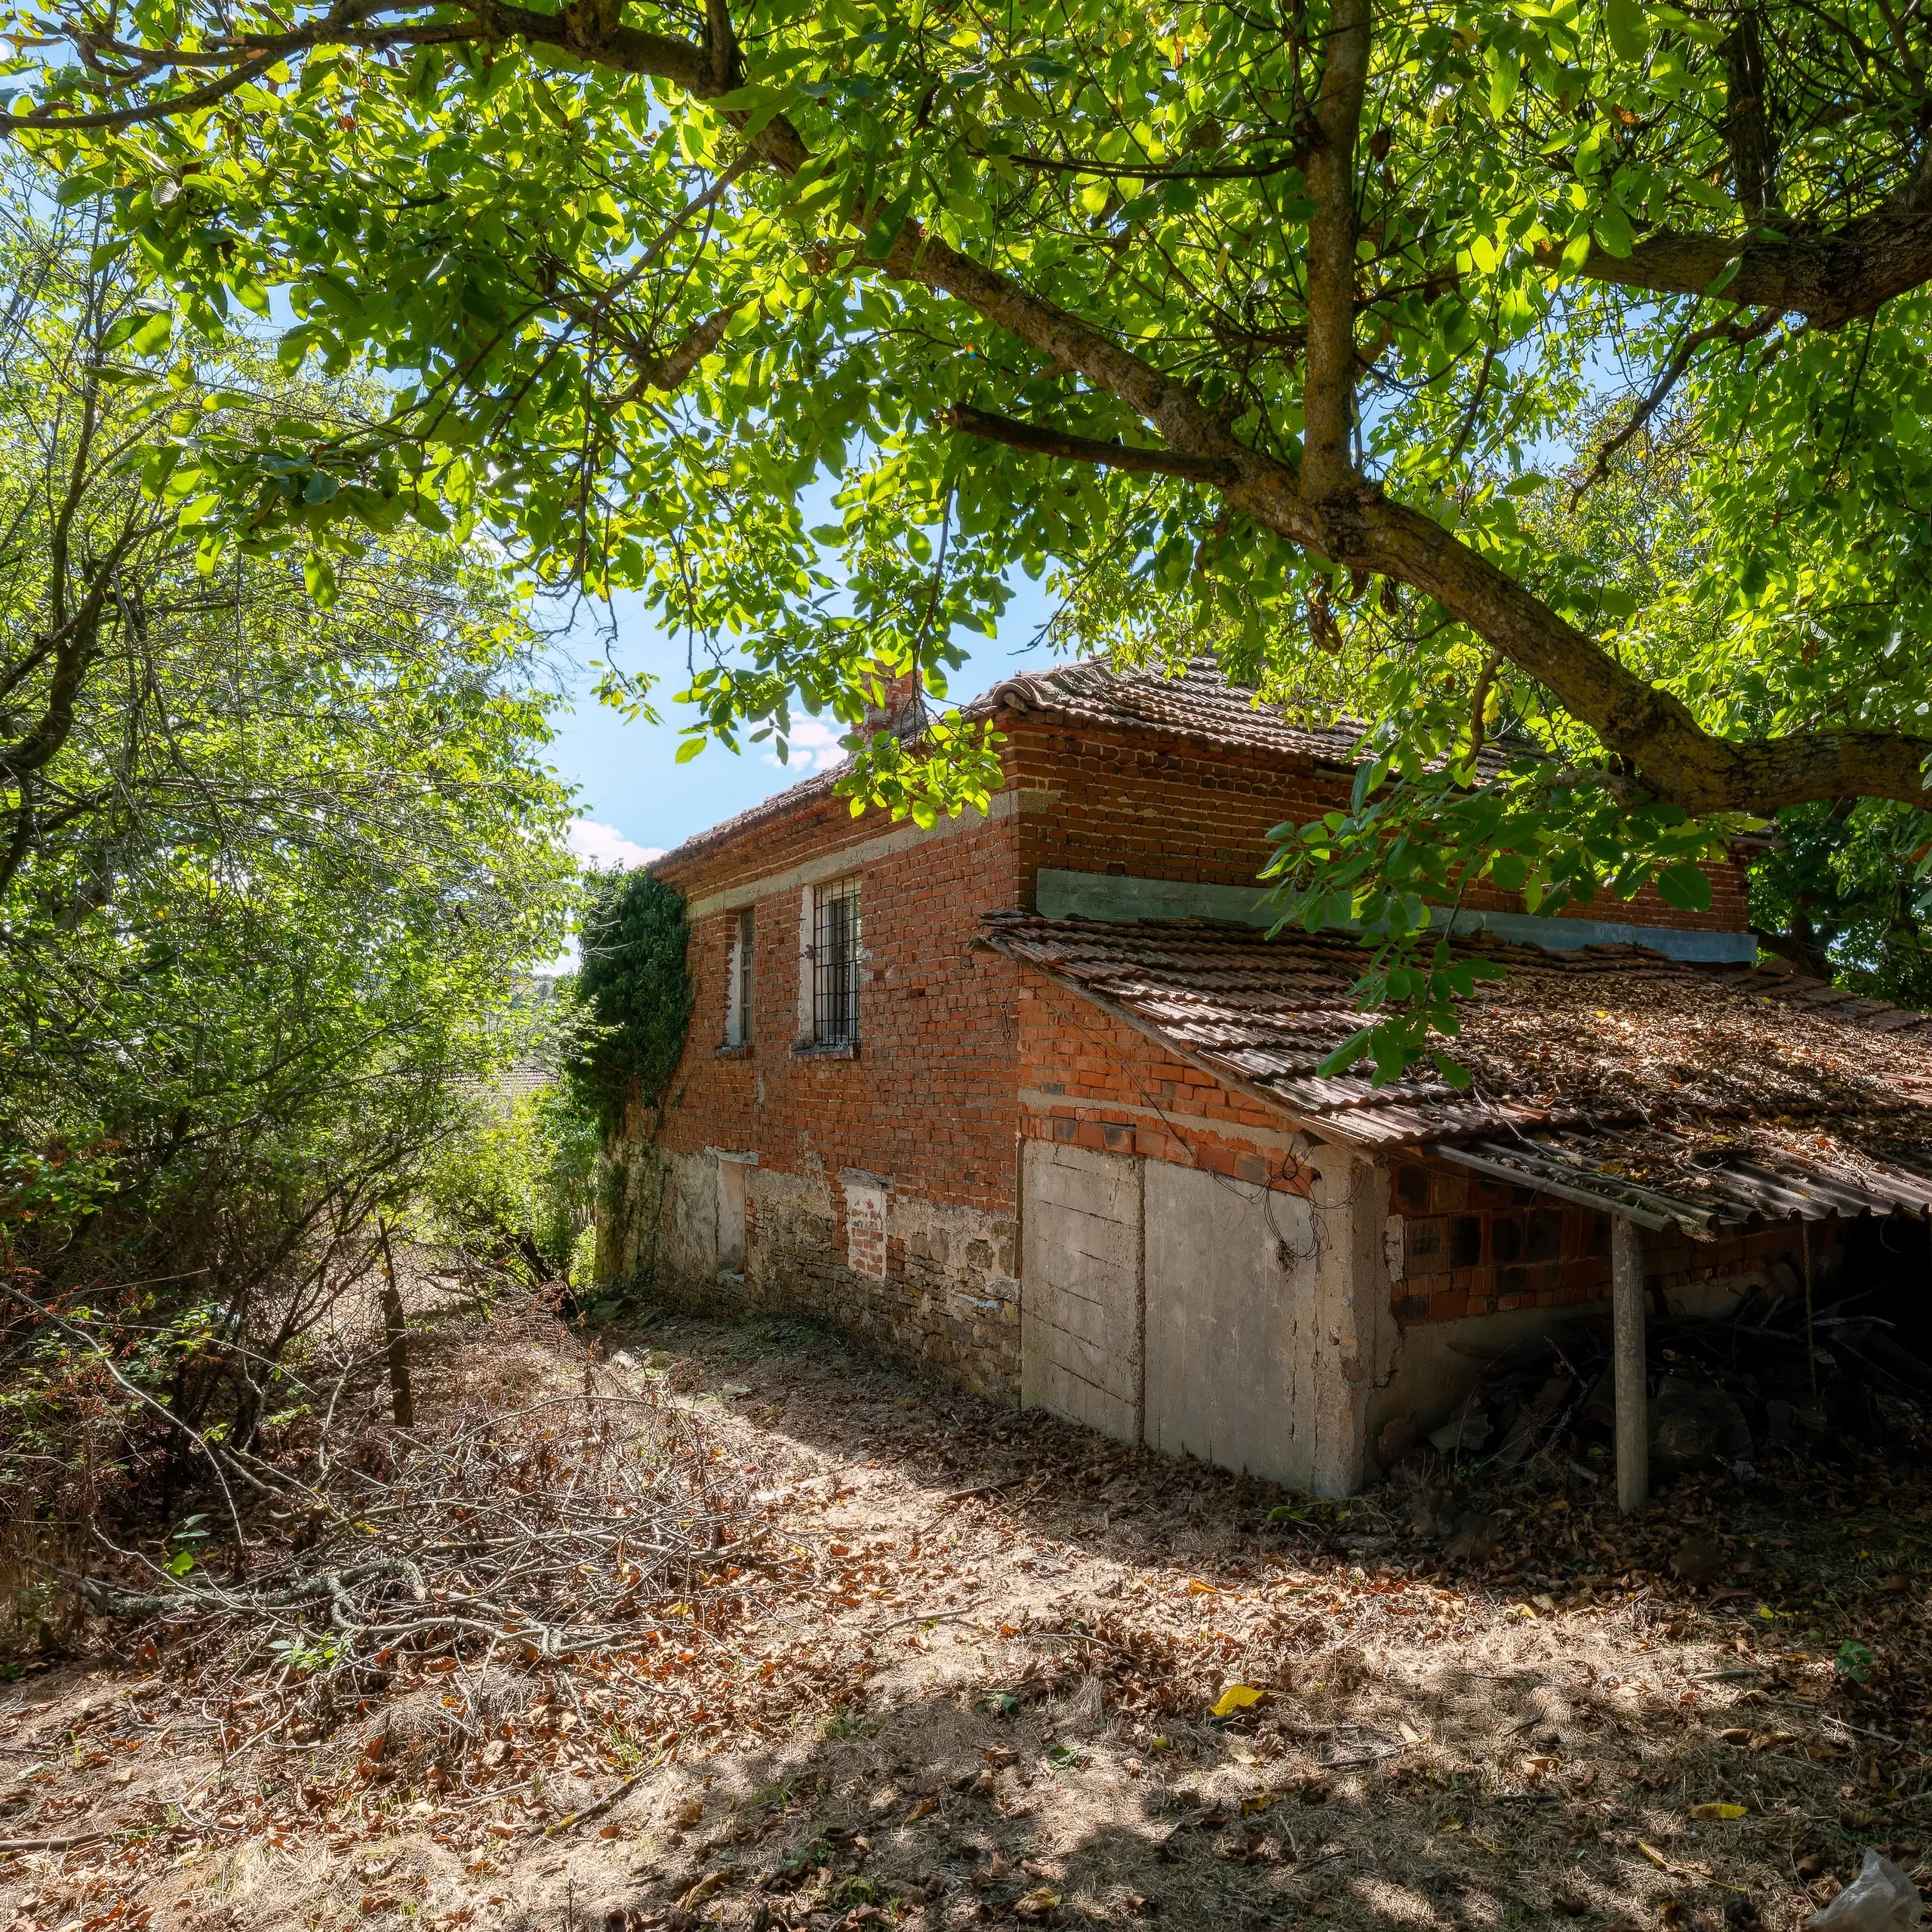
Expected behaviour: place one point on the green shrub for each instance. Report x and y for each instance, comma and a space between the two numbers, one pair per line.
518, 1185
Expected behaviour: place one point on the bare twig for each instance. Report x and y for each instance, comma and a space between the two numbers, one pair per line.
75, 1334
616, 1795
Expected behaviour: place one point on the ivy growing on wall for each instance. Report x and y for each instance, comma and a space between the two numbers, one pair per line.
634, 989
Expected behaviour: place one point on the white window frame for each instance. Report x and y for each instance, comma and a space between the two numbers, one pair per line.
740, 970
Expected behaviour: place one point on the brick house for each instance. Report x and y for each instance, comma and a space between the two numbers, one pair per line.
1027, 1099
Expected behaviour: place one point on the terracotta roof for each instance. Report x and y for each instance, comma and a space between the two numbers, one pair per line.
807, 792
1676, 1093
1199, 704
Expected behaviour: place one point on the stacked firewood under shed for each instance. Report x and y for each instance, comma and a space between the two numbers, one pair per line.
1763, 1381
1739, 1405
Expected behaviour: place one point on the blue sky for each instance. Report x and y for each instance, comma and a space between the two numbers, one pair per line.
634, 801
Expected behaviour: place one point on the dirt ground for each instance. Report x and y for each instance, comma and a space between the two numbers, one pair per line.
987, 1692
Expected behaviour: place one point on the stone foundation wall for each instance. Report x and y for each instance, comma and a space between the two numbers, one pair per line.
930, 1284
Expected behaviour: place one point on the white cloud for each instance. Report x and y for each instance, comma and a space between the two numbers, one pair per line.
606, 846
813, 745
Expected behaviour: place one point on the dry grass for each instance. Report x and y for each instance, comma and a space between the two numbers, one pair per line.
932, 1708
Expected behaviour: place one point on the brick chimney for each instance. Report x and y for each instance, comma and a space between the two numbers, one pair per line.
904, 710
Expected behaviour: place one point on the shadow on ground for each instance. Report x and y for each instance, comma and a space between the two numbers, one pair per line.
991, 1699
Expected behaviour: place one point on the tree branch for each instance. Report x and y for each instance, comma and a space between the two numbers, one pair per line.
1154, 171
1184, 424
72, 659
1043, 441
1479, 703
1653, 729
1329, 366
73, 637
38, 122
1831, 279
1748, 130
656, 369
1668, 378
674, 364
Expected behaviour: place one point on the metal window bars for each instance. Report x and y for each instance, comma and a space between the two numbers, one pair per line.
836, 946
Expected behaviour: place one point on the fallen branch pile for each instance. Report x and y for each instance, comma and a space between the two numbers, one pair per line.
582, 1525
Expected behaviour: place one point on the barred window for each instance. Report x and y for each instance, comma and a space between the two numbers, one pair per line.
834, 964
738, 988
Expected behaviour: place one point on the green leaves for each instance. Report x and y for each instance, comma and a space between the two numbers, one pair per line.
1504, 73
1725, 276
1686, 887
1841, 893
318, 578
632, 352
634, 991
1628, 30
334, 845
956, 768
1613, 230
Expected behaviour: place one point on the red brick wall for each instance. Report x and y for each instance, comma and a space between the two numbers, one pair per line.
1730, 908
932, 1097
1476, 1246
926, 1103
1135, 805
1092, 1080
928, 1098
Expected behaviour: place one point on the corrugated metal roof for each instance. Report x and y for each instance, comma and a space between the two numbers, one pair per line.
1699, 1095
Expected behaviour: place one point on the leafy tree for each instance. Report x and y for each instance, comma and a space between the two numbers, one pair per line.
271, 872
1261, 321
517, 1184
1843, 894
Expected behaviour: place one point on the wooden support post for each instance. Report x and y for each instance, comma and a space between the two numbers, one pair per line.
396, 1336
1633, 1406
